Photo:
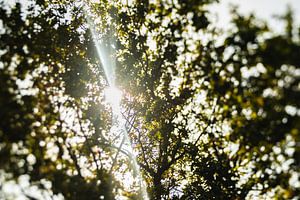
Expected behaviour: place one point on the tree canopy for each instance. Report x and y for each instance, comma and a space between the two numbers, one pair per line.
210, 114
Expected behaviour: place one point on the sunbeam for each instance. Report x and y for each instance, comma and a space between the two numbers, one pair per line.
113, 96
105, 51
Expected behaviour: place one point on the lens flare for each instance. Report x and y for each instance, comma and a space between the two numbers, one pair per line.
113, 96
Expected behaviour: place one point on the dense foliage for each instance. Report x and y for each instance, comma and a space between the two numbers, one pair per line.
210, 114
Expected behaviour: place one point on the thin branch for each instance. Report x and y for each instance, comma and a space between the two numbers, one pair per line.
140, 142
74, 158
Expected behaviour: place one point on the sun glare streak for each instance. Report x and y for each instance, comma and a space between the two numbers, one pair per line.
113, 96
104, 51
127, 147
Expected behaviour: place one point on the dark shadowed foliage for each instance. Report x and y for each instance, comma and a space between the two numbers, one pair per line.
211, 114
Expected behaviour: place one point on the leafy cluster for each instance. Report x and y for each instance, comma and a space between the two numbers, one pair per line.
210, 114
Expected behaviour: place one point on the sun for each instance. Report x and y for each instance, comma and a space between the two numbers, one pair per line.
113, 95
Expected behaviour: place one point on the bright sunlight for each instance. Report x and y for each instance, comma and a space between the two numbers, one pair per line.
113, 95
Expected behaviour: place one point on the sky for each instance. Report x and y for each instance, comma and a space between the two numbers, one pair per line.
264, 9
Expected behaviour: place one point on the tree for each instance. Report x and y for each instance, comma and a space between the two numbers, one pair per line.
209, 118
43, 131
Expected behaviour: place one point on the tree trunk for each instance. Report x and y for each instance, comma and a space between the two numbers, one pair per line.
157, 190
